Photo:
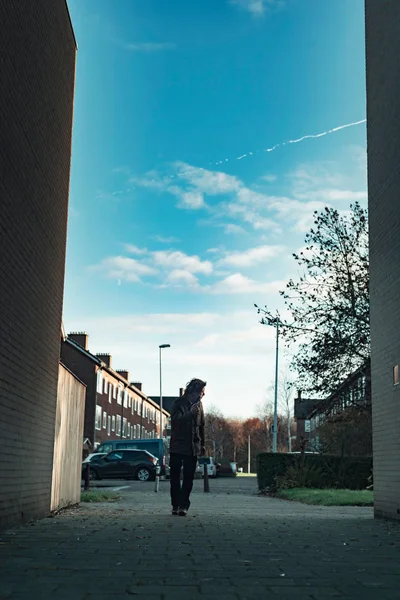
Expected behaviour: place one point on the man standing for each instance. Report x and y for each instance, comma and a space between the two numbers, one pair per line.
187, 443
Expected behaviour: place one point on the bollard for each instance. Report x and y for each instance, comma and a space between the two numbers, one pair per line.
87, 477
157, 479
206, 480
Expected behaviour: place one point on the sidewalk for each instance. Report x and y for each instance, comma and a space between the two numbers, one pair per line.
234, 545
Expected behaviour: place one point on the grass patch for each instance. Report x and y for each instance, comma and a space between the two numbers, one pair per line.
329, 497
99, 496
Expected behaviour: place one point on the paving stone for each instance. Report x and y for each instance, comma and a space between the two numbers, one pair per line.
233, 544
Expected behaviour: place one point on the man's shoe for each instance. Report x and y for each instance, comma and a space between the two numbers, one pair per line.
183, 512
175, 512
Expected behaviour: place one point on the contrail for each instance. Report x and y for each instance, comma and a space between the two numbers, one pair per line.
273, 148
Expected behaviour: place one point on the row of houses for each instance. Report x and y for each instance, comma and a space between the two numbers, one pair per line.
115, 406
311, 413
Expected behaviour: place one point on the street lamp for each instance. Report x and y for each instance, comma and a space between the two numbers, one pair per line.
275, 321
161, 347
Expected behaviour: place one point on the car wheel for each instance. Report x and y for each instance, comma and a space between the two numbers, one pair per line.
94, 476
143, 474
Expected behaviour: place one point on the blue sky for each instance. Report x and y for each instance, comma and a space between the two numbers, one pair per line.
180, 219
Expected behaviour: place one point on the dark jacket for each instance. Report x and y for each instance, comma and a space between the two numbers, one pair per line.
187, 428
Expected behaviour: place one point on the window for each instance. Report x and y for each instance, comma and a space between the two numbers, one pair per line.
118, 432
110, 392
119, 396
99, 382
98, 417
129, 401
115, 456
105, 386
114, 392
133, 405
125, 396
113, 424
124, 427
108, 425
396, 379
134, 432
104, 420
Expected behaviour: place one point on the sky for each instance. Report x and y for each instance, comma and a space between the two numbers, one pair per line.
189, 188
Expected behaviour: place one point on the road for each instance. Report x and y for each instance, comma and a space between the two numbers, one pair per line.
234, 545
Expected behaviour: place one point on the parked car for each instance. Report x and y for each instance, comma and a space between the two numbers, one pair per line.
227, 469
94, 456
212, 466
157, 447
123, 464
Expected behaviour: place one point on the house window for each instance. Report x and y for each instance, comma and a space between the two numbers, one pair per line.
126, 403
120, 393
118, 432
113, 424
104, 420
114, 392
108, 425
110, 391
133, 405
98, 417
132, 432
396, 376
124, 427
129, 402
105, 386
99, 382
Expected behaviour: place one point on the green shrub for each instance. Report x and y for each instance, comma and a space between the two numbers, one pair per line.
319, 471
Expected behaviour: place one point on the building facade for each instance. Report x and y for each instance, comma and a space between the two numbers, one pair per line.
382, 19
311, 414
115, 408
37, 48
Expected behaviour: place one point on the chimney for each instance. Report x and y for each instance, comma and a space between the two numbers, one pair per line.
137, 384
81, 338
124, 374
181, 391
105, 358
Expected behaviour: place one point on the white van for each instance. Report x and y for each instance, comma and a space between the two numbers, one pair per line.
212, 467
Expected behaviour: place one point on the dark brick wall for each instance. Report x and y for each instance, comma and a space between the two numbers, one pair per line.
383, 111
37, 50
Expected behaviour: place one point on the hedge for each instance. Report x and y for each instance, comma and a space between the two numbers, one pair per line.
350, 472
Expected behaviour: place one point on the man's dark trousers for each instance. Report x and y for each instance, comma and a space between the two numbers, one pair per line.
180, 497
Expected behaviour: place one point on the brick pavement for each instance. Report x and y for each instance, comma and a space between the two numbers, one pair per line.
234, 545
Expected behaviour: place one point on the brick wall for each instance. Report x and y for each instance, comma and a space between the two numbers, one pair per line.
37, 50
383, 111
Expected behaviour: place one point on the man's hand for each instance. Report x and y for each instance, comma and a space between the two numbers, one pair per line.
195, 408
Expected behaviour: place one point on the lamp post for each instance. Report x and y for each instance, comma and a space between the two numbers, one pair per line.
275, 321
161, 347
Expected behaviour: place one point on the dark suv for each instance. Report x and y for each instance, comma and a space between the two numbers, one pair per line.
123, 464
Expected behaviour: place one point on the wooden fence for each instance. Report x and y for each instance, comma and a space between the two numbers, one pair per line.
67, 461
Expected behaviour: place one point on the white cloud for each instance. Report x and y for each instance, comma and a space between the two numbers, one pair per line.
164, 239
192, 200
182, 277
251, 257
124, 268
240, 284
132, 249
257, 7
180, 260
231, 228
149, 47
